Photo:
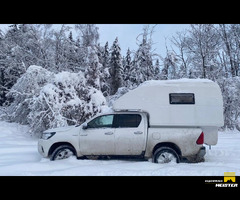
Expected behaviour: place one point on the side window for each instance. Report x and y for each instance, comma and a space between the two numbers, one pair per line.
181, 98
104, 121
128, 120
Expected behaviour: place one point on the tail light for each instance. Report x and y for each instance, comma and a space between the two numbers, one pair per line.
200, 139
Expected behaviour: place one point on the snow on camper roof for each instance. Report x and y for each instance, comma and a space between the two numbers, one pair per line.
175, 81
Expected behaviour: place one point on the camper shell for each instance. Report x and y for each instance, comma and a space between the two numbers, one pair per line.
178, 103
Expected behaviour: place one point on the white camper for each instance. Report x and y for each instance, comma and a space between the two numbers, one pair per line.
178, 103
168, 121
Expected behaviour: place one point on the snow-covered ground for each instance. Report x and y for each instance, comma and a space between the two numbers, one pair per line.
19, 157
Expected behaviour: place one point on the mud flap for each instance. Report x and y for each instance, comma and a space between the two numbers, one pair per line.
210, 135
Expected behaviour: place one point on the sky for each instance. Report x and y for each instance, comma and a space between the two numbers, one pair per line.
127, 34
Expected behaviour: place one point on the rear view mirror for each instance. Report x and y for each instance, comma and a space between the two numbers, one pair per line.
84, 126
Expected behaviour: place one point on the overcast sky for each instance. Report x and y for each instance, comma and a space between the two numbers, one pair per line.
127, 34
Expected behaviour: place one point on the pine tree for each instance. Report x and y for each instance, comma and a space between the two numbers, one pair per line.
157, 70
106, 56
70, 36
116, 69
127, 69
105, 78
92, 72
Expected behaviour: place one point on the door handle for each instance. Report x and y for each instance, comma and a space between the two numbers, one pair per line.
138, 132
108, 133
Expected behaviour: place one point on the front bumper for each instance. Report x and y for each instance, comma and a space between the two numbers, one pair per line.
43, 147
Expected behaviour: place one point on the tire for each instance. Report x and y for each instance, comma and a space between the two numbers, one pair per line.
62, 152
165, 155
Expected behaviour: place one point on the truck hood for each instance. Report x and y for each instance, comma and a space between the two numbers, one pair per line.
60, 129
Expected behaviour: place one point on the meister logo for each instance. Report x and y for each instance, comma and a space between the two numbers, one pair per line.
229, 180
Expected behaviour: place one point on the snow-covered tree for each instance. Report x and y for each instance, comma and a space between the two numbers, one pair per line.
202, 46
26, 87
106, 56
231, 94
72, 55
31, 44
230, 56
127, 66
46, 100
143, 69
60, 40
92, 72
180, 42
157, 70
23, 45
88, 34
116, 68
170, 67
3, 81
66, 100
105, 75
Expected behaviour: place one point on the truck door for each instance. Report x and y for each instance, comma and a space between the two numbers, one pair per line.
98, 137
129, 134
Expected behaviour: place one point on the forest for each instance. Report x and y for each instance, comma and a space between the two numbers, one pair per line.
48, 78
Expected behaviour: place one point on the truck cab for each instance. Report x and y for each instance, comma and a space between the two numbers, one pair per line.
111, 134
118, 133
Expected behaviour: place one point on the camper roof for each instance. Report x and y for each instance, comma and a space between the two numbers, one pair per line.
182, 81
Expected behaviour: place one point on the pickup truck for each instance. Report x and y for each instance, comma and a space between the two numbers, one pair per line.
165, 121
123, 134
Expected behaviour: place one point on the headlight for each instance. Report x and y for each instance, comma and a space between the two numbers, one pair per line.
47, 135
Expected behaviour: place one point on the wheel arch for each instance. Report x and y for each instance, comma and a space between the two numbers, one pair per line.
167, 144
56, 145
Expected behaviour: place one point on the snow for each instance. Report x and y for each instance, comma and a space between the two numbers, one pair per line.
19, 157
175, 81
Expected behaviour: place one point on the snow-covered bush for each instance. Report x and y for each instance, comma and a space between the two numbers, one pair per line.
67, 100
29, 84
46, 100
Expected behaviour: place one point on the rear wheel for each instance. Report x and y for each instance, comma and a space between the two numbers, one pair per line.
165, 155
62, 152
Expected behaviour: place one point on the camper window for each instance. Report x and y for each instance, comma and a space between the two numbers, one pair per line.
181, 98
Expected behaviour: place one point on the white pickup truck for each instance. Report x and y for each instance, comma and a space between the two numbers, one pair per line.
168, 121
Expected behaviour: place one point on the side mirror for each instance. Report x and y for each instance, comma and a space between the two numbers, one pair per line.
84, 126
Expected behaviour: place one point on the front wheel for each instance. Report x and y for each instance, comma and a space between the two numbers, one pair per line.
62, 152
165, 155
